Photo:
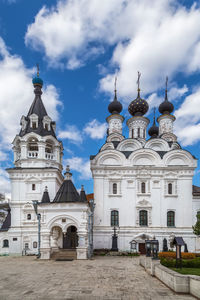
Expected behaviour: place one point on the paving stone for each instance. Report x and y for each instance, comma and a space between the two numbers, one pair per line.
102, 278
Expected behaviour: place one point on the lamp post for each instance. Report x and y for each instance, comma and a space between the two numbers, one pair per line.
155, 248
114, 240
148, 248
35, 205
90, 227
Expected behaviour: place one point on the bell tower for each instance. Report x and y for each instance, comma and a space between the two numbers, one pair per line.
37, 167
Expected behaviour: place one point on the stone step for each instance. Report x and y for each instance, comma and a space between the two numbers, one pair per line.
64, 254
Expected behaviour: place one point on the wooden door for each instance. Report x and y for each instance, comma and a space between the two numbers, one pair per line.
142, 248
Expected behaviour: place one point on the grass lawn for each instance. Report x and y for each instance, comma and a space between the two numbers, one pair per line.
188, 271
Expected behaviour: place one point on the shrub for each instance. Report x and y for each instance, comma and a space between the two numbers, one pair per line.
185, 255
186, 263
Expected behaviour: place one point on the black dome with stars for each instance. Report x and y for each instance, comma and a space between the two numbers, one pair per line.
139, 106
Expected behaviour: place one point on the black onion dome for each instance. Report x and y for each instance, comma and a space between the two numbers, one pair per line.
166, 107
153, 130
115, 107
139, 106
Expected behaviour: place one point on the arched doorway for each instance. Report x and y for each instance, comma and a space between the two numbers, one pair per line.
70, 238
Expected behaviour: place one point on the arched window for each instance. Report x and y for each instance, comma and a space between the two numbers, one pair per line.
49, 146
138, 132
143, 218
29, 217
144, 133
143, 187
33, 144
5, 243
170, 188
114, 218
170, 218
132, 133
114, 188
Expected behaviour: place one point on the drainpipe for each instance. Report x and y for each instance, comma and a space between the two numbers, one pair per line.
35, 205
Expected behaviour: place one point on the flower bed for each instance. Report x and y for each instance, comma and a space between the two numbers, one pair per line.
170, 254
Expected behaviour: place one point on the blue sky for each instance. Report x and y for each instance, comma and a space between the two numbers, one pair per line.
80, 46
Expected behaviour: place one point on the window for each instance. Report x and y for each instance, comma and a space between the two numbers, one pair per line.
5, 243
143, 187
34, 244
29, 217
14, 239
144, 133
114, 188
170, 218
34, 125
33, 187
32, 144
114, 218
143, 218
46, 127
138, 132
170, 188
132, 133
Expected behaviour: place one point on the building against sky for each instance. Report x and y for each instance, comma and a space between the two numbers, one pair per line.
37, 176
143, 187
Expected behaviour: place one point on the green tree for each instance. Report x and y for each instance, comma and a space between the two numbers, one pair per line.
196, 227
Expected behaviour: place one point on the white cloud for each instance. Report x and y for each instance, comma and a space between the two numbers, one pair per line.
71, 133
80, 165
17, 94
157, 37
4, 182
187, 125
95, 129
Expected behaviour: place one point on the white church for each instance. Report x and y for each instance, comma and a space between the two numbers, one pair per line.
142, 187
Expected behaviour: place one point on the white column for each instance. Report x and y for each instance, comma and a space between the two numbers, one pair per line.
115, 123
166, 124
137, 127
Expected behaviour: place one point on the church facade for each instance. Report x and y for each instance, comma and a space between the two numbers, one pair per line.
142, 187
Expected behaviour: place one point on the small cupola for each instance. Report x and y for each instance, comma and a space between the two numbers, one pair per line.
154, 129
166, 107
45, 197
115, 107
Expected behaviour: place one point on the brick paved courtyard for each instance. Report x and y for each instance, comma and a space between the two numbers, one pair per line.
101, 278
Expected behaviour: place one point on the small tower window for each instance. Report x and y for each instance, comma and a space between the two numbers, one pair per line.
34, 125
33, 187
46, 127
5, 243
114, 188
132, 133
170, 188
144, 133
29, 217
138, 131
143, 218
114, 218
143, 187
